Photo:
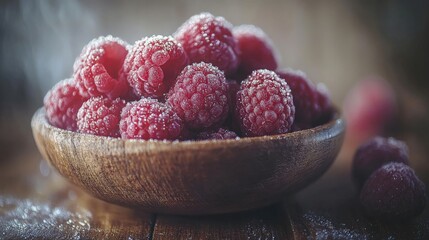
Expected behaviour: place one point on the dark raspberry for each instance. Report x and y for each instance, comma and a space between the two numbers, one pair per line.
206, 38
200, 96
393, 192
100, 116
62, 103
375, 153
150, 119
264, 105
97, 68
312, 104
219, 134
152, 65
256, 49
233, 87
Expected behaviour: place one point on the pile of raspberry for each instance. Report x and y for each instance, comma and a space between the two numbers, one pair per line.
208, 80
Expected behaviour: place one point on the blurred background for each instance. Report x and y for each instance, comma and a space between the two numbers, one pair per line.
339, 43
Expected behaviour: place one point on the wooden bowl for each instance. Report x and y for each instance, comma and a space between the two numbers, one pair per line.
190, 177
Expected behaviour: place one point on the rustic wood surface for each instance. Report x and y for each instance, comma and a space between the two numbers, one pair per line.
190, 177
37, 203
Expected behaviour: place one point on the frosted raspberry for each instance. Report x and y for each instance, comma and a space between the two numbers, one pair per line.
206, 38
219, 134
376, 152
264, 105
100, 116
200, 96
256, 49
97, 68
62, 103
152, 65
312, 104
150, 119
393, 193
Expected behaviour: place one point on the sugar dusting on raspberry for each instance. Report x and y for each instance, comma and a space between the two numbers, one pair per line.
207, 38
152, 65
97, 68
312, 102
219, 134
256, 49
200, 96
150, 119
62, 103
100, 116
264, 105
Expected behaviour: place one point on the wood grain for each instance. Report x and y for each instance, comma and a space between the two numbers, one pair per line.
190, 177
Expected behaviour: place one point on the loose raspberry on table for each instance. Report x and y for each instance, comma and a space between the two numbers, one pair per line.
256, 49
264, 105
218, 134
393, 193
62, 103
150, 119
152, 65
375, 153
100, 116
312, 103
207, 38
200, 96
97, 68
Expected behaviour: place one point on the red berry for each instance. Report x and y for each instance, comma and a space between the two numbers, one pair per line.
97, 68
200, 96
150, 119
369, 109
206, 38
264, 105
375, 153
62, 103
393, 192
152, 65
312, 104
100, 116
219, 134
256, 49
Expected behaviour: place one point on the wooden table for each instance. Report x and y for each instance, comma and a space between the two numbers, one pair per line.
35, 202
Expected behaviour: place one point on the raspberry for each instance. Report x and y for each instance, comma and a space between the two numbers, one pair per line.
373, 154
218, 134
200, 96
152, 65
369, 109
264, 105
393, 192
97, 68
150, 119
312, 104
256, 49
206, 38
62, 103
100, 116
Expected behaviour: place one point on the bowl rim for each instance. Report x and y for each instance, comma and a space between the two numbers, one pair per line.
39, 118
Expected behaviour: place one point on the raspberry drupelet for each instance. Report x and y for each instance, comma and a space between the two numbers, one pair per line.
200, 96
152, 65
97, 68
256, 49
376, 152
207, 38
312, 103
264, 105
150, 119
100, 116
62, 103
